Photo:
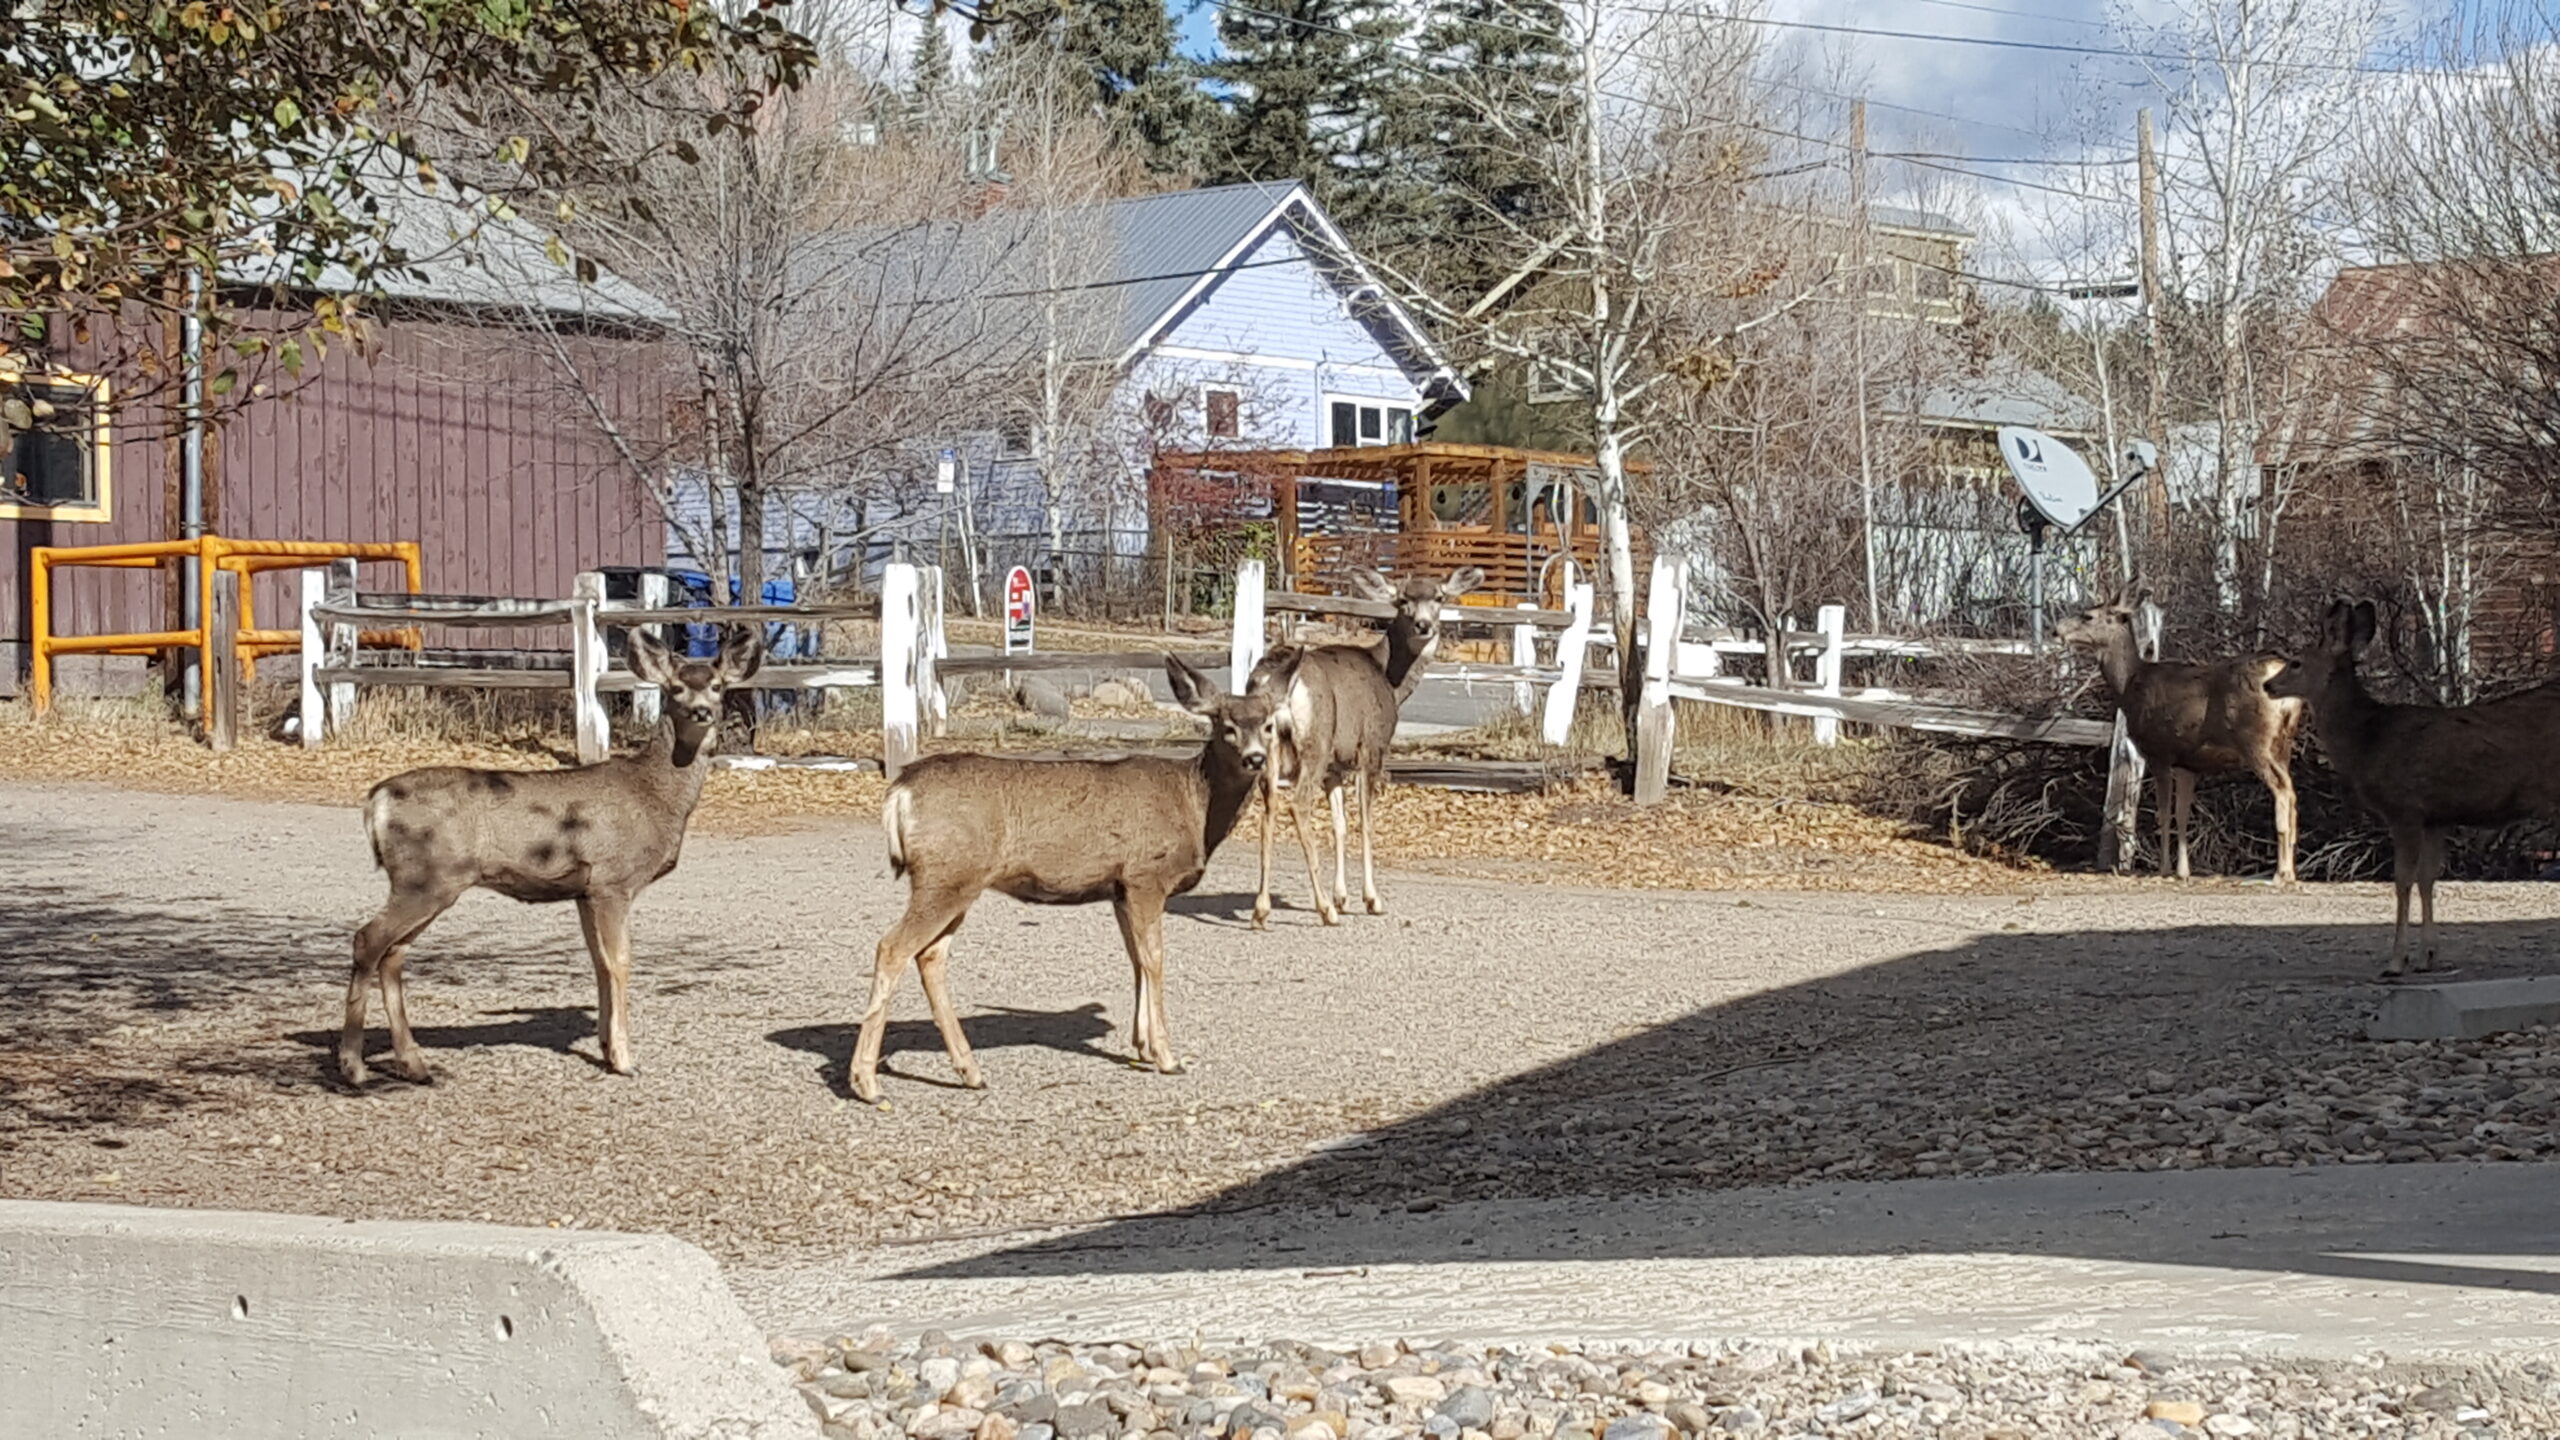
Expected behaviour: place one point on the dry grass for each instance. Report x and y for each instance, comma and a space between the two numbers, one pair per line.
1757, 806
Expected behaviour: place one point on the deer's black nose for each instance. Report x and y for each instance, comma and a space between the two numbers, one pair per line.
702, 714
1253, 761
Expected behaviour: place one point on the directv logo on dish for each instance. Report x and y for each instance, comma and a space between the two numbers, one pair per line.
2029, 452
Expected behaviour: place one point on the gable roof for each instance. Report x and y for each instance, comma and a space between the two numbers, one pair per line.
465, 249
1175, 248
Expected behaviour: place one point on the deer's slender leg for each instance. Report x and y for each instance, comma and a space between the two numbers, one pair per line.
2165, 799
937, 994
932, 915
1341, 852
1270, 788
384, 938
2430, 865
2279, 783
1145, 930
1325, 908
607, 921
2186, 809
1368, 865
1141, 1008
2406, 841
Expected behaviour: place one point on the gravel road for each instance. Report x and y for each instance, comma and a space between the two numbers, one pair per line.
177, 967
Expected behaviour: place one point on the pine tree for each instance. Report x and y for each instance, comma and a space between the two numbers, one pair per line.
929, 69
1501, 81
1311, 85
1138, 78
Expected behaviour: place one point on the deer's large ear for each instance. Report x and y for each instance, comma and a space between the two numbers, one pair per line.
1459, 584
650, 660
1192, 690
1277, 672
1370, 585
2360, 625
741, 653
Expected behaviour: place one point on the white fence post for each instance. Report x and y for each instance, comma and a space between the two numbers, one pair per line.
1572, 649
342, 643
901, 638
1832, 621
315, 653
645, 700
2121, 838
932, 648
1524, 655
1245, 651
1654, 718
587, 666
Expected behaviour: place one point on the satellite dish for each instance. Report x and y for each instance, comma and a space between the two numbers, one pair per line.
2057, 483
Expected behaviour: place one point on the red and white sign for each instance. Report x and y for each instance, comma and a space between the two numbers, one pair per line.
1017, 610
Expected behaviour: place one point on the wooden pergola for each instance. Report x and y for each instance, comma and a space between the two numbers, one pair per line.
1422, 508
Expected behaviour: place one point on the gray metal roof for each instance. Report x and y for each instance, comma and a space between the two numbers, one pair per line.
1166, 241
2007, 393
464, 251
1927, 222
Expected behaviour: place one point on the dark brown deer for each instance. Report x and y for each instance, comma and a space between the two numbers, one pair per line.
2423, 769
1338, 723
598, 835
2202, 719
1134, 831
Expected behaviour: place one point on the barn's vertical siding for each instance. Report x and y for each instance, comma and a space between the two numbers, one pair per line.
452, 434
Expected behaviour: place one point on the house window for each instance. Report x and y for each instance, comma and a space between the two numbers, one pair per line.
1370, 422
1225, 414
1013, 439
1159, 413
54, 440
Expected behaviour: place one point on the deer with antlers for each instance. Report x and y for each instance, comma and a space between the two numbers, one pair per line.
2423, 769
1338, 722
2195, 719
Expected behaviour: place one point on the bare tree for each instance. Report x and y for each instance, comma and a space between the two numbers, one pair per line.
2256, 102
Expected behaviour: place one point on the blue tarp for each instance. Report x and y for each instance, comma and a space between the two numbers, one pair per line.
701, 642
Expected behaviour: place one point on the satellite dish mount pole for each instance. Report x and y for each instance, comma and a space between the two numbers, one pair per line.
2035, 525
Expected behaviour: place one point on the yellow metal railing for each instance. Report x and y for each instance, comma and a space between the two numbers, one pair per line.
213, 553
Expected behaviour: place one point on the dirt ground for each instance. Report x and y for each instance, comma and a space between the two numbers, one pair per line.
174, 967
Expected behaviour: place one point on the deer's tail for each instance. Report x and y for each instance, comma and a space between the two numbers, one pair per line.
377, 810
896, 813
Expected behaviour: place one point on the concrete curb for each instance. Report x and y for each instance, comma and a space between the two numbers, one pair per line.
120, 1320
2466, 1009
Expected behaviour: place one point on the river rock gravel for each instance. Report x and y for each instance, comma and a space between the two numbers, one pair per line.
872, 1387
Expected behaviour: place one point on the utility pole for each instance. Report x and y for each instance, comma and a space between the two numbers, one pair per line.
2148, 167
1858, 297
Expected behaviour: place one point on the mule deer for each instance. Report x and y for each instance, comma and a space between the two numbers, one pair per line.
1339, 720
2422, 769
1133, 831
2187, 720
598, 835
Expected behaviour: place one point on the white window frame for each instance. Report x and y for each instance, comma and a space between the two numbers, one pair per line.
1386, 409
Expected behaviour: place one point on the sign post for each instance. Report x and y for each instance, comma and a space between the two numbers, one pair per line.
1018, 607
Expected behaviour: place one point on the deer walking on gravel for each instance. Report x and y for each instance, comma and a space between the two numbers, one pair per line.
1337, 723
2423, 769
1134, 831
2213, 718
597, 834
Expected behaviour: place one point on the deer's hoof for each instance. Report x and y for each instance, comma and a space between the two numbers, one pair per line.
1330, 917
1169, 1066
1261, 919
1375, 905
352, 1071
413, 1071
972, 1080
866, 1091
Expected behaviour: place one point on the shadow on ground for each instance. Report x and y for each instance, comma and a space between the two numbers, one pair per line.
2007, 1066
912, 1049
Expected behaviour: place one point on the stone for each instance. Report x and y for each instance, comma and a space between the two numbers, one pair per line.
2151, 1362
1652, 1394
2443, 1399
977, 1392
1688, 1417
939, 1423
1011, 1354
1042, 698
1378, 1356
1121, 694
861, 1361
1064, 1374
1039, 1408
938, 1374
2229, 1425
2183, 1412
1846, 1408
1037, 1431
1510, 1425
1740, 1420
1470, 1406
1414, 1389
1441, 1427
845, 1387
1643, 1425
1085, 1422
998, 1427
